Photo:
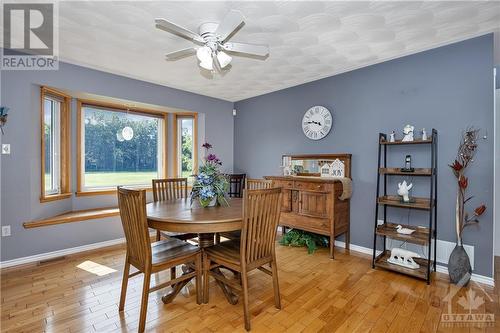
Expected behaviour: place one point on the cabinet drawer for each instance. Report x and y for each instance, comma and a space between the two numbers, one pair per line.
317, 225
286, 184
311, 186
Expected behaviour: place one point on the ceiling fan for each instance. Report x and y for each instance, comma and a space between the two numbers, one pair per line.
212, 41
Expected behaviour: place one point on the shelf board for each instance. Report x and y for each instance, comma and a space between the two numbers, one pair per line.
398, 172
395, 201
420, 236
399, 142
421, 272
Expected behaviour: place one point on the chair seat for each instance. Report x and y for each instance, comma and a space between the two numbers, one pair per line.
228, 251
231, 234
178, 235
170, 249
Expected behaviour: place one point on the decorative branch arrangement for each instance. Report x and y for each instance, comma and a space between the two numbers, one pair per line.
465, 156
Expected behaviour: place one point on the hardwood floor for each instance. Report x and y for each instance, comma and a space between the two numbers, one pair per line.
318, 295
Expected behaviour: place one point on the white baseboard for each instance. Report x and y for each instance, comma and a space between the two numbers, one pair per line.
475, 277
50, 255
439, 268
59, 253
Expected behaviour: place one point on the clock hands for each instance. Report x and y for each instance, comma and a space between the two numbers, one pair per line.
314, 122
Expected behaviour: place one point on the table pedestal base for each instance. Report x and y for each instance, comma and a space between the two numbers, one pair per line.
204, 240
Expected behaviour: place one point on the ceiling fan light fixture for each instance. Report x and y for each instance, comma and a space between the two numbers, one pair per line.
204, 54
224, 59
214, 39
208, 65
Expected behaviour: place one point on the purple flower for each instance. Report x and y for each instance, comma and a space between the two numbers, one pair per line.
207, 145
212, 158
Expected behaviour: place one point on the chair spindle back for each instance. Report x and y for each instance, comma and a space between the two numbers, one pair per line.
169, 189
132, 204
261, 214
258, 184
236, 185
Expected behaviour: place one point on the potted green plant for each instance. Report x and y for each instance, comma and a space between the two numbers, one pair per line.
210, 185
301, 238
459, 267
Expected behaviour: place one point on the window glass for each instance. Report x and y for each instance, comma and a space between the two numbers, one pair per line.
186, 147
120, 148
52, 136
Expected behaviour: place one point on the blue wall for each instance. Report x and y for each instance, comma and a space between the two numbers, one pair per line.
447, 88
20, 176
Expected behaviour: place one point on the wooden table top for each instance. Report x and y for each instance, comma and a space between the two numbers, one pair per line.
179, 216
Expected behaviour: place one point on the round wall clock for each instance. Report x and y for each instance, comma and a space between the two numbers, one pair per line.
317, 122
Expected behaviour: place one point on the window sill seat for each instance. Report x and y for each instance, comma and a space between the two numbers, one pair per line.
74, 216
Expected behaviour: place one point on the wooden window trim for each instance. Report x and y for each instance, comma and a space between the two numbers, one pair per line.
65, 142
178, 116
81, 192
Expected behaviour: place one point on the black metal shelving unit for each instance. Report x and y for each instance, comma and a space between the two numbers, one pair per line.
423, 235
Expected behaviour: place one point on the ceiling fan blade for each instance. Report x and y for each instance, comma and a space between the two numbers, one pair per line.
178, 30
180, 54
230, 23
253, 49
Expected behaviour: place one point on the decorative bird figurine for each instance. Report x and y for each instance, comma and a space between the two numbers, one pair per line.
404, 189
405, 231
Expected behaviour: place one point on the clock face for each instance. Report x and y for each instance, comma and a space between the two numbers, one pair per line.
317, 122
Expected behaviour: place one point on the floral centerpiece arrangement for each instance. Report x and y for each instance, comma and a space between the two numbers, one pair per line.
459, 265
210, 185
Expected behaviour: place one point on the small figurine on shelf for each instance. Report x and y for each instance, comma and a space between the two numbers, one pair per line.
325, 170
404, 231
3, 117
337, 168
403, 258
404, 191
287, 166
408, 132
424, 134
407, 167
392, 137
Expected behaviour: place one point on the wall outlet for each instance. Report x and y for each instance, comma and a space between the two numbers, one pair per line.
6, 148
5, 230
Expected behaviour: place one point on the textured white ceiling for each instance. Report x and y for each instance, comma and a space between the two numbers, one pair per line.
308, 40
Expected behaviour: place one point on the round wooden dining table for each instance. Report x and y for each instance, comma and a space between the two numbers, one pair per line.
179, 215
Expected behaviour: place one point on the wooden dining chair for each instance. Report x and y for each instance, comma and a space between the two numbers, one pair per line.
150, 258
256, 248
236, 185
170, 189
257, 184
250, 184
